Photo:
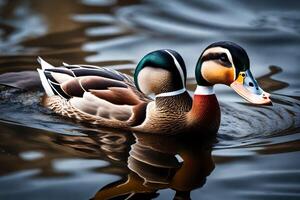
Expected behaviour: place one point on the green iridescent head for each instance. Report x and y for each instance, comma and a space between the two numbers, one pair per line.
158, 62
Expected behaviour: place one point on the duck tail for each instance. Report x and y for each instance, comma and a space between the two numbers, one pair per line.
44, 64
65, 64
43, 77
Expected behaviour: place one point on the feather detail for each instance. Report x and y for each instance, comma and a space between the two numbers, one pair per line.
94, 94
44, 64
61, 77
65, 64
45, 83
72, 87
117, 95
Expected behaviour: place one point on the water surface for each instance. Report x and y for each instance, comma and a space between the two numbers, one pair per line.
45, 156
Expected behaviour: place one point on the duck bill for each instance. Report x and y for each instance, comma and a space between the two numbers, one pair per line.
246, 86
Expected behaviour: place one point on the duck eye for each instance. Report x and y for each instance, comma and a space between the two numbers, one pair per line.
224, 58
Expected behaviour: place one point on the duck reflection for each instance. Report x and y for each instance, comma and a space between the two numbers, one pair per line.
146, 163
160, 162
24, 148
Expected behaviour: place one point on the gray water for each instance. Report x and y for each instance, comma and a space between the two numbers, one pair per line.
45, 156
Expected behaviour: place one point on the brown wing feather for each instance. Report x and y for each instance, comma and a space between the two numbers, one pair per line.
100, 83
118, 96
102, 94
72, 87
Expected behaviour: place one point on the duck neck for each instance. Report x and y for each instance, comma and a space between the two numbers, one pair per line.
174, 101
204, 90
205, 112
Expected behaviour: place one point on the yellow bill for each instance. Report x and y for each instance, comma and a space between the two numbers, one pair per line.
246, 86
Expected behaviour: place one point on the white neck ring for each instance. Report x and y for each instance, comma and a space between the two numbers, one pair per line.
204, 90
173, 93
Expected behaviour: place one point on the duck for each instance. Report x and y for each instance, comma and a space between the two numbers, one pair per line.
155, 100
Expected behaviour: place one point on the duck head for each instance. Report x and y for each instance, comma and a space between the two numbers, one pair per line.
162, 73
228, 63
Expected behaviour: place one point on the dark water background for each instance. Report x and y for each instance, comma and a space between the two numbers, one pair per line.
44, 156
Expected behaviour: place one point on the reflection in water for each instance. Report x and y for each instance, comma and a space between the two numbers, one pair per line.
145, 162
271, 84
159, 162
64, 37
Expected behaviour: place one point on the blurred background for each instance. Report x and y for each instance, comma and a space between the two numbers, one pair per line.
44, 156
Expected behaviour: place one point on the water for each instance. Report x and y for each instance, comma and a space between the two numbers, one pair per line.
45, 156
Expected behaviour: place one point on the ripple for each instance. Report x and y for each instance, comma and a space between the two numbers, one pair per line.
242, 123
77, 165
18, 28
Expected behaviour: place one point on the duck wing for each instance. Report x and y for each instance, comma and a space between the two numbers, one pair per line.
97, 91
